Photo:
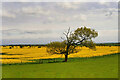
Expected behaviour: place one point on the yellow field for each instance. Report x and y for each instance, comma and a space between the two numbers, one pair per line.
18, 55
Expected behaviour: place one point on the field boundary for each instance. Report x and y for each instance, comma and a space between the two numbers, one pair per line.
60, 78
57, 60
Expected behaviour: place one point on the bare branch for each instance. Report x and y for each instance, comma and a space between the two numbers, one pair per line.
62, 38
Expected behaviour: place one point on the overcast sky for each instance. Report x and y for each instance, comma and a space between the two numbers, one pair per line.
43, 22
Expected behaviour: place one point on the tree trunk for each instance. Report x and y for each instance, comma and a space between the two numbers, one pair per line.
66, 57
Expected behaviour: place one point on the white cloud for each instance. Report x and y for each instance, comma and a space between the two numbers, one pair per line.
69, 5
35, 11
107, 36
6, 13
80, 17
108, 33
67, 18
53, 15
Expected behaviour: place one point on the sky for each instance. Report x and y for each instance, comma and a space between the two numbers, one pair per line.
44, 22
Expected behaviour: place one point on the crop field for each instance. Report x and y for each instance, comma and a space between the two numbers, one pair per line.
98, 67
87, 63
28, 54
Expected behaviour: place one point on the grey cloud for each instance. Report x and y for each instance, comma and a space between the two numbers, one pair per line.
23, 32
10, 32
57, 12
29, 41
38, 32
38, 22
111, 11
109, 14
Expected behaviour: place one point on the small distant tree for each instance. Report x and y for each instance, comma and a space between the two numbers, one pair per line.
39, 46
21, 46
10, 47
80, 37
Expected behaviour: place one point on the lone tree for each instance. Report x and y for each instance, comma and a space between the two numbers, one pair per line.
80, 37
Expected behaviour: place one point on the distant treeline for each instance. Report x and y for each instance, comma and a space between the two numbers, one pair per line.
22, 46
107, 44
39, 45
26, 45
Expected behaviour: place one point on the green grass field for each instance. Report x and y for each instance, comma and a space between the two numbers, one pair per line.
98, 67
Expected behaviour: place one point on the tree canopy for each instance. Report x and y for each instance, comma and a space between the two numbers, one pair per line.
80, 37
